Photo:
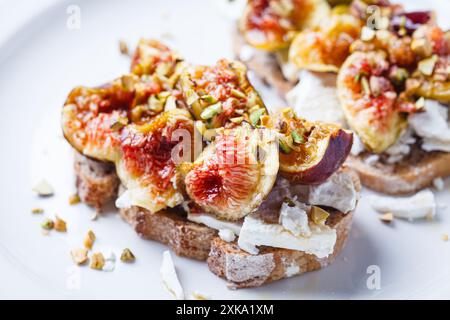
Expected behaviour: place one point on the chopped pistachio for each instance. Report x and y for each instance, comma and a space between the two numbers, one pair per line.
426, 66
60, 225
79, 256
239, 111
445, 237
163, 68
211, 111
43, 189
288, 112
209, 99
210, 134
123, 47
200, 126
191, 96
237, 120
399, 76
387, 217
289, 202
97, 261
265, 120
422, 47
256, 115
367, 34
171, 103
94, 215
119, 123
297, 137
284, 147
89, 240
365, 85
420, 103
37, 210
319, 215
127, 256
238, 94
47, 224
74, 199
128, 82
155, 104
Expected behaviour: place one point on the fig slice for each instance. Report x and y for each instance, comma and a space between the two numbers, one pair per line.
221, 94
270, 24
310, 152
369, 100
92, 117
235, 173
149, 156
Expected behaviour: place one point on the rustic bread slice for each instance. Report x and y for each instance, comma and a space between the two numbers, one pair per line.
411, 175
96, 181
199, 242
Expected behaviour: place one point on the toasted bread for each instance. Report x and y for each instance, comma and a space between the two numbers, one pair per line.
200, 242
96, 181
408, 176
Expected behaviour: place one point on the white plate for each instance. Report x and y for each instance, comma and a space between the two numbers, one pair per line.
42, 61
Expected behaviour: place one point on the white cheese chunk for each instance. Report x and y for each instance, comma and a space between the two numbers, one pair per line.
256, 232
401, 148
357, 146
124, 200
170, 278
314, 100
214, 223
433, 126
227, 235
419, 206
338, 192
295, 219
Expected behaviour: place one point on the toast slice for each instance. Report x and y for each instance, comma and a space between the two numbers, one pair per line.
408, 176
196, 241
96, 181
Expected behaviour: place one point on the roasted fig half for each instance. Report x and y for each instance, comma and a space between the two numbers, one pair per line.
271, 24
148, 160
221, 94
325, 48
369, 100
310, 152
235, 173
92, 118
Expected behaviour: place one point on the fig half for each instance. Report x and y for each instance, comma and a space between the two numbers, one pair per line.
369, 100
270, 24
310, 152
235, 173
221, 94
92, 118
148, 159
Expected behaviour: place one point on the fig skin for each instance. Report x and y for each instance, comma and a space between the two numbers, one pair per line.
339, 144
319, 151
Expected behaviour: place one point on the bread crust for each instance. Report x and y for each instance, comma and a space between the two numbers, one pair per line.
405, 177
402, 178
196, 241
96, 181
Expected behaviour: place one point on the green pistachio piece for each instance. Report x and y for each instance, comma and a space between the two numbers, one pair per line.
211, 111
